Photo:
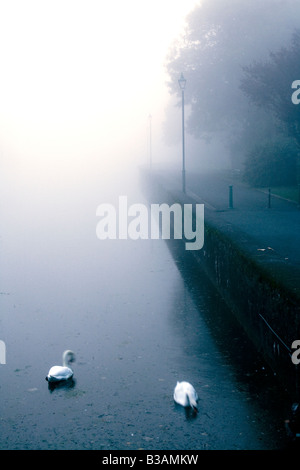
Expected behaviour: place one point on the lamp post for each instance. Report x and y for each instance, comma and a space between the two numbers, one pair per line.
182, 83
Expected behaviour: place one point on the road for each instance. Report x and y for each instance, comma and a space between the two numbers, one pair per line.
277, 227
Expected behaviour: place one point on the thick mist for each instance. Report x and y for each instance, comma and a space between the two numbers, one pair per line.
221, 41
78, 81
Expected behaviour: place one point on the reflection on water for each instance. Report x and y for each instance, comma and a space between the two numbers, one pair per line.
247, 367
66, 384
187, 412
138, 323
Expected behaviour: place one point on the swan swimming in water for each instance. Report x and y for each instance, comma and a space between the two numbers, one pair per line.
59, 373
185, 395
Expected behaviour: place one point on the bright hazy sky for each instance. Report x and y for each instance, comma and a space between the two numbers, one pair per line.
80, 77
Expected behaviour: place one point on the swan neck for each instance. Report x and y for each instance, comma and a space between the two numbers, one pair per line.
67, 356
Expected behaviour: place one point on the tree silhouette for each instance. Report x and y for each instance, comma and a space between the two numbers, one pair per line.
269, 85
221, 39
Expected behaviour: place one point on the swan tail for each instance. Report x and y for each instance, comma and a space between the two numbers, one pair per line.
193, 403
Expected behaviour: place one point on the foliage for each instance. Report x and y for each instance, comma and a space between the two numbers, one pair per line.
220, 39
272, 163
268, 85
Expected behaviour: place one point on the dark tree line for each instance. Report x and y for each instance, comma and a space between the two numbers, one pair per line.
269, 86
240, 59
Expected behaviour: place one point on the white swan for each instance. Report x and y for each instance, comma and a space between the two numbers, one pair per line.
185, 395
59, 373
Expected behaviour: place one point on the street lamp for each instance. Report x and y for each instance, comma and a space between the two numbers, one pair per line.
182, 83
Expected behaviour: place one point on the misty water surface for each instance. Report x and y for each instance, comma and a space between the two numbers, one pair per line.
138, 321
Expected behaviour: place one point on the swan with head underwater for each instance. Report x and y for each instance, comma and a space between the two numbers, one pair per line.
185, 395
64, 372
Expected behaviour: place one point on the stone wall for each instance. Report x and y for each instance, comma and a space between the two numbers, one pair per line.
255, 285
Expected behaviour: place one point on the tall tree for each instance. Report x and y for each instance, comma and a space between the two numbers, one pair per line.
222, 37
269, 85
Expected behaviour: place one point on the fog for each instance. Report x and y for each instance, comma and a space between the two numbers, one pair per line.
238, 79
79, 79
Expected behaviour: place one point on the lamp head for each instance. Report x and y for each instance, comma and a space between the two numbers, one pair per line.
182, 82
